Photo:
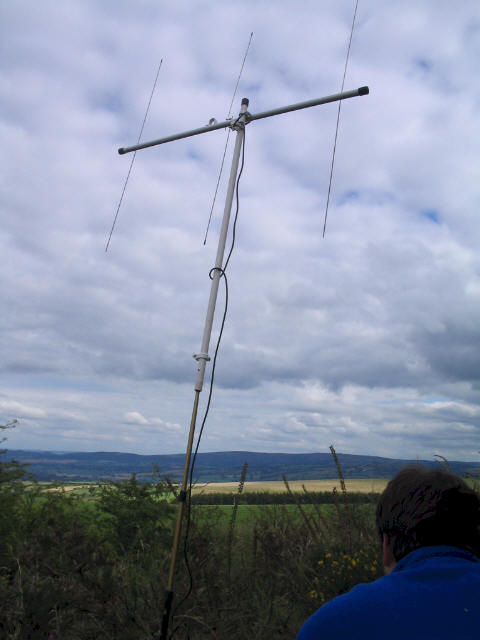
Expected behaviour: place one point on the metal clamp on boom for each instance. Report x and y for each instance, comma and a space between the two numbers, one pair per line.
244, 117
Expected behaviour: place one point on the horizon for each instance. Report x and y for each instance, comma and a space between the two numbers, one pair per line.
246, 451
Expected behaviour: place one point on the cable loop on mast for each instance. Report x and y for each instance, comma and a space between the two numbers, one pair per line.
210, 273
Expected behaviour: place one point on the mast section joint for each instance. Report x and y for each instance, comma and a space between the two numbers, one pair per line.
201, 356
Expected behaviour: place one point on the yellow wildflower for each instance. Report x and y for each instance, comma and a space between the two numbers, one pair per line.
320, 562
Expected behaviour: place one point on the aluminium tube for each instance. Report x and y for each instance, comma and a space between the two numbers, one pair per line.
176, 136
362, 91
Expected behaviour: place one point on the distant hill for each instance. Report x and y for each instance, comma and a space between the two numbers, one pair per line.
222, 466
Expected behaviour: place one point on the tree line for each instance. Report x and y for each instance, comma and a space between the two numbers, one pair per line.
281, 497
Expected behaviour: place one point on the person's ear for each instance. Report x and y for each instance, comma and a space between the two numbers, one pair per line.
389, 561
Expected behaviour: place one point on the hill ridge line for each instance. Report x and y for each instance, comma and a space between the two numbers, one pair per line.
215, 466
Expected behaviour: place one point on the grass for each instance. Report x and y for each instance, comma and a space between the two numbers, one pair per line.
248, 513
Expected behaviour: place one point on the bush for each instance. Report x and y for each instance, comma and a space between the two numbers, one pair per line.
85, 568
140, 512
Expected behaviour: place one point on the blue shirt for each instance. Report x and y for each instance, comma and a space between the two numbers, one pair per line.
433, 593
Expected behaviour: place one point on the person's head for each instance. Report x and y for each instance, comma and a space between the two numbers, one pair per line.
421, 508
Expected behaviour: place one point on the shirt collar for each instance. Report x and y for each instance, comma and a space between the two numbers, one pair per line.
431, 552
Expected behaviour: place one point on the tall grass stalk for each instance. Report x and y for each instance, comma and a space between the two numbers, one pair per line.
339, 471
308, 522
347, 510
445, 464
233, 519
321, 520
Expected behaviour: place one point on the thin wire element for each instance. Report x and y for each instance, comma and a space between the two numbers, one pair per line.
228, 138
216, 188
239, 76
133, 157
338, 119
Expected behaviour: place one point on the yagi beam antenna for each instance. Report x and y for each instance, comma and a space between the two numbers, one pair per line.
362, 91
237, 124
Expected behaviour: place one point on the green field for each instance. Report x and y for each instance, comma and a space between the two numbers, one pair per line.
251, 512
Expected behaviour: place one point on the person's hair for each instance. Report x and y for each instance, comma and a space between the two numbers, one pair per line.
422, 507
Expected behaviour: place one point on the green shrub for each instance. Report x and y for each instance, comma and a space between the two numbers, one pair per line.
141, 513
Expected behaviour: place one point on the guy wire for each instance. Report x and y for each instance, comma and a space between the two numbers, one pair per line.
133, 156
192, 467
338, 119
228, 138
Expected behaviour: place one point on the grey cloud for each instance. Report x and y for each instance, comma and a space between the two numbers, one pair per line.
386, 303
454, 351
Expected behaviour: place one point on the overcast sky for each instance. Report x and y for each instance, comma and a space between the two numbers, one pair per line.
367, 339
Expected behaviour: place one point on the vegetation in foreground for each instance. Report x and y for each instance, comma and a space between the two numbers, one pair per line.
94, 566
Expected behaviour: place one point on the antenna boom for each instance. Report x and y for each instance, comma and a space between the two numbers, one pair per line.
362, 91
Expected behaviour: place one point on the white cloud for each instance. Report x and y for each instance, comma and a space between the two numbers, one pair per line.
169, 426
133, 417
18, 410
345, 338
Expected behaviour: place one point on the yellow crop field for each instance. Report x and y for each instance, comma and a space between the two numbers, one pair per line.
375, 485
